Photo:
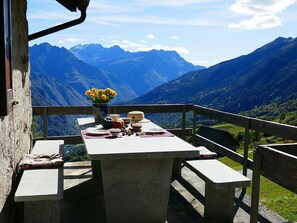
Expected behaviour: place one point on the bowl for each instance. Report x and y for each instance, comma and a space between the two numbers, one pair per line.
136, 127
127, 121
115, 132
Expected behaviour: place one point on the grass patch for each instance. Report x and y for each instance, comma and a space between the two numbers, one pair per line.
278, 199
232, 129
272, 195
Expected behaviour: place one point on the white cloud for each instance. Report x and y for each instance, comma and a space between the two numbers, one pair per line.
70, 40
150, 36
262, 12
257, 22
260, 7
173, 3
141, 46
174, 37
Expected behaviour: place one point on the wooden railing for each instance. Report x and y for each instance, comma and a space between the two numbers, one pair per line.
248, 123
271, 128
45, 112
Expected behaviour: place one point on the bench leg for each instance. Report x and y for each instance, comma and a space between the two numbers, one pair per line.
42, 211
96, 169
219, 205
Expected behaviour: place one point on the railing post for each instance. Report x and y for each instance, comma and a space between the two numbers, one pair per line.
194, 126
255, 188
246, 145
45, 122
183, 122
246, 148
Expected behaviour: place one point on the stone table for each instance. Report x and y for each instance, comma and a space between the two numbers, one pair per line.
136, 172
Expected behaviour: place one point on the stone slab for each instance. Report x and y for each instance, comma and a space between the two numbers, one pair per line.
217, 174
47, 147
40, 184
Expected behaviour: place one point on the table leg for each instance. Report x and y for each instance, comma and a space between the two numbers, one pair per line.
96, 169
136, 190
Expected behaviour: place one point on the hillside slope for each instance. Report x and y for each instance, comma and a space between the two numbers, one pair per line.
266, 75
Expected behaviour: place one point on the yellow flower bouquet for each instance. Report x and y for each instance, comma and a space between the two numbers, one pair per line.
100, 96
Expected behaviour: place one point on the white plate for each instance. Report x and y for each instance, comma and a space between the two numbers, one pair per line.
97, 132
155, 131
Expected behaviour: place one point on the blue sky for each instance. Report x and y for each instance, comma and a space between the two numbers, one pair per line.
204, 32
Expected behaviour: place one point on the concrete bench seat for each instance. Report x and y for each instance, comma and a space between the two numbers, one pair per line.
42, 189
220, 183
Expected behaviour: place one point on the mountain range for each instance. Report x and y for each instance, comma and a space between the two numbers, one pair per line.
61, 77
143, 71
267, 75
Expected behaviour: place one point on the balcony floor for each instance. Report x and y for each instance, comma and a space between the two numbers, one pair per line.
83, 199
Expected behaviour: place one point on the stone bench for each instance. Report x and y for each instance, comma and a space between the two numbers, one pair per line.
220, 183
42, 189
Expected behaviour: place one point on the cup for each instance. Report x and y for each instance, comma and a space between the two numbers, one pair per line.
127, 121
115, 117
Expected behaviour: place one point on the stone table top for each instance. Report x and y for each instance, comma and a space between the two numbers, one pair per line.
135, 147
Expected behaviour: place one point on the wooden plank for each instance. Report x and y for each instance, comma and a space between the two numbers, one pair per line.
184, 114
273, 128
151, 108
255, 188
45, 123
81, 110
220, 115
279, 167
64, 110
215, 147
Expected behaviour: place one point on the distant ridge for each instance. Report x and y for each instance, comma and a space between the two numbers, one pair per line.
64, 73
143, 71
267, 75
60, 77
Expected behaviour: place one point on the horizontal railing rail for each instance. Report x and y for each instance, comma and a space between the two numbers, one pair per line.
270, 128
260, 125
46, 111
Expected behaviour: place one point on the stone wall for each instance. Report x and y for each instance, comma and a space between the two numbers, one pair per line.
15, 129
